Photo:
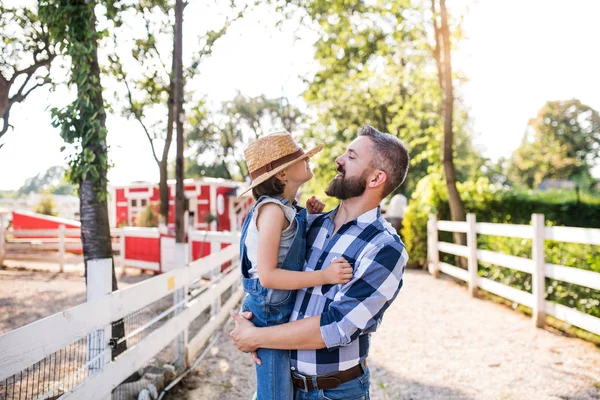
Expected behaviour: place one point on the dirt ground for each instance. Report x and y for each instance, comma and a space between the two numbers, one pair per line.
33, 290
438, 343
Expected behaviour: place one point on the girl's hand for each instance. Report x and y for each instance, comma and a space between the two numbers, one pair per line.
314, 206
339, 271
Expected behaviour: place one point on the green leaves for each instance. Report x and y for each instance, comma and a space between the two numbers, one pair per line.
561, 142
82, 123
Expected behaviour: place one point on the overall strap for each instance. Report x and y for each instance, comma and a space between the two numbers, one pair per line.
244, 261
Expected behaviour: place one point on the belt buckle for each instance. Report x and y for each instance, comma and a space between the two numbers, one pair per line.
305, 389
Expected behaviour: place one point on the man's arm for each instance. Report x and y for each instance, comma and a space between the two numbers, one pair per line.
304, 334
356, 308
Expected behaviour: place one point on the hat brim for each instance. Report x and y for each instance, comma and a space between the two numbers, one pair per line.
274, 172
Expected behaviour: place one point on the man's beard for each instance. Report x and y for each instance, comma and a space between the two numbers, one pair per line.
346, 188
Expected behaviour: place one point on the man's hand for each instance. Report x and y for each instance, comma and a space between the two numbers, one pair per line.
244, 332
314, 206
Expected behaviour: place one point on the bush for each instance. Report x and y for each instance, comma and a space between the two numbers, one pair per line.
492, 204
46, 205
148, 217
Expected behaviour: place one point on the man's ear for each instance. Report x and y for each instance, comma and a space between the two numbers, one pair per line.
377, 178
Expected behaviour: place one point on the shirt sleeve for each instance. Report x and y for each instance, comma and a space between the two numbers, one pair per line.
358, 307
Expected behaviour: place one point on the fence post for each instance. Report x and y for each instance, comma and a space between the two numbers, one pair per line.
180, 295
61, 248
215, 247
2, 240
434, 255
473, 265
539, 276
99, 283
122, 250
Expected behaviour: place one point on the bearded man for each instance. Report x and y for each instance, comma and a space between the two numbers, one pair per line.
329, 330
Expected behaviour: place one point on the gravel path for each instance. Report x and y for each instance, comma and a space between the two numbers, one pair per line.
438, 343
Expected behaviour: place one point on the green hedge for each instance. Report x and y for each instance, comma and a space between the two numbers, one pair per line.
492, 204
495, 205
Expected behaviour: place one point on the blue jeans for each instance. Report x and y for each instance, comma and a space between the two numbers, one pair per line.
269, 308
356, 389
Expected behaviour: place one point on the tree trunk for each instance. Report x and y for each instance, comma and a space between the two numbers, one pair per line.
95, 228
457, 208
163, 188
178, 113
163, 185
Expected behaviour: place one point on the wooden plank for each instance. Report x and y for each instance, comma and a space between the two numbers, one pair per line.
201, 303
573, 235
24, 346
573, 317
506, 291
454, 271
452, 248
507, 230
100, 385
505, 260
432, 246
151, 265
31, 246
33, 232
196, 344
141, 232
210, 236
577, 276
473, 265
538, 279
452, 226
206, 264
126, 301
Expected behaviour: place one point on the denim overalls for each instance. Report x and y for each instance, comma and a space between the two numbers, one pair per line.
273, 307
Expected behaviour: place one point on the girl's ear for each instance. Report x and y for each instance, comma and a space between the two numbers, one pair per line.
281, 175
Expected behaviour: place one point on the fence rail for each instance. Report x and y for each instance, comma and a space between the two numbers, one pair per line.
536, 265
24, 348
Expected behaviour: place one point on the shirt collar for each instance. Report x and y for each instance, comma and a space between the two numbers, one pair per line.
363, 220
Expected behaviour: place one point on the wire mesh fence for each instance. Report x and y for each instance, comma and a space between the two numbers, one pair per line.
50, 377
62, 371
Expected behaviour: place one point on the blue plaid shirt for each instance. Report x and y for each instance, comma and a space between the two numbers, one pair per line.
350, 312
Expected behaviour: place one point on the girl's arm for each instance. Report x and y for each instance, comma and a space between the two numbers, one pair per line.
271, 222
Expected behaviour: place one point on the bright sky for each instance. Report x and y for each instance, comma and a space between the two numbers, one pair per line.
519, 54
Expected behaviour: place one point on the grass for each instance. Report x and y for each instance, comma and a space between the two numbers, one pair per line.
552, 324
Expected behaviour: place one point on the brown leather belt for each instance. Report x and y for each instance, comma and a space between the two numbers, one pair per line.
328, 381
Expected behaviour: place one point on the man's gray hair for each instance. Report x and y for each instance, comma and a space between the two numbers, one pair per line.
390, 156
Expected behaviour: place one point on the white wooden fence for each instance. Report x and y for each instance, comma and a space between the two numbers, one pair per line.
21, 348
536, 266
56, 243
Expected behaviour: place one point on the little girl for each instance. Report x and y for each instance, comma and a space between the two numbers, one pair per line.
273, 247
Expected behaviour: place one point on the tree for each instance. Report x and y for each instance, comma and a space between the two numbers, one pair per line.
51, 181
376, 67
442, 54
561, 142
26, 53
149, 93
72, 26
223, 135
179, 115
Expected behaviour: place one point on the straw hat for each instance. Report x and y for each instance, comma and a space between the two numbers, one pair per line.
271, 154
